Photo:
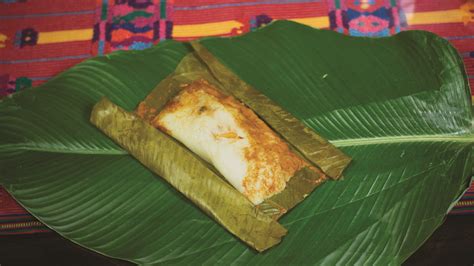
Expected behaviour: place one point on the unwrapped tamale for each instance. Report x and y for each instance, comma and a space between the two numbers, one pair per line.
225, 133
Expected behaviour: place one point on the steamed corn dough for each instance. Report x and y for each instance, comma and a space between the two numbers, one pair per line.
232, 138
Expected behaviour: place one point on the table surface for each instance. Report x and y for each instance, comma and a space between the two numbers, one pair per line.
451, 244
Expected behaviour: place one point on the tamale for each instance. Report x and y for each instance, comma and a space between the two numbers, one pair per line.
303, 182
188, 174
232, 138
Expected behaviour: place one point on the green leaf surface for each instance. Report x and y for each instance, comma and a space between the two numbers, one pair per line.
399, 106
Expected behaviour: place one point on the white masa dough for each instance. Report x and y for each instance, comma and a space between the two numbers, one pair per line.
201, 132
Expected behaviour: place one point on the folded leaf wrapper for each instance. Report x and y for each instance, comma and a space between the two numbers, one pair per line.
188, 174
302, 140
312, 146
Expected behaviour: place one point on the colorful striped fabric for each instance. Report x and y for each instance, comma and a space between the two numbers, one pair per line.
40, 39
466, 204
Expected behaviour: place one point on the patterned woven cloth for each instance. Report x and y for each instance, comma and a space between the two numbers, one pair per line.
41, 38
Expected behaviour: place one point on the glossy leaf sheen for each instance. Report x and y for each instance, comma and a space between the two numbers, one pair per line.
399, 106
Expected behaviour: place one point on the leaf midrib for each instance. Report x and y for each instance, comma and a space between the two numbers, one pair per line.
402, 139
54, 148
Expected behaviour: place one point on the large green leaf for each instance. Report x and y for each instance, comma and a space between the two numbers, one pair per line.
399, 106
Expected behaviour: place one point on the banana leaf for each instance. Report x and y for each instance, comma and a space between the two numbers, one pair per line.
399, 106
188, 174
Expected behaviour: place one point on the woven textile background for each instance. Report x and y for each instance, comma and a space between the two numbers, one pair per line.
41, 38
